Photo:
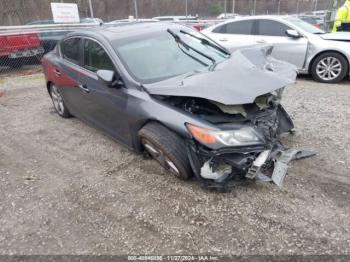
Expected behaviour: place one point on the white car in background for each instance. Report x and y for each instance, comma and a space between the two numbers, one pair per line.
324, 55
227, 16
175, 18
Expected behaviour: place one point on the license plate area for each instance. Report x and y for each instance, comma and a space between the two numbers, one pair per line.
26, 53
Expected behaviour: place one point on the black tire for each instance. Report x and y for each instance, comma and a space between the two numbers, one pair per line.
333, 55
56, 97
170, 147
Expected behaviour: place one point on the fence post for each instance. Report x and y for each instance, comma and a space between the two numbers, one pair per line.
91, 9
297, 11
136, 11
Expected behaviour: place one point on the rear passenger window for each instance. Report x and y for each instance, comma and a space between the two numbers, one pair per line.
237, 28
70, 49
271, 28
95, 57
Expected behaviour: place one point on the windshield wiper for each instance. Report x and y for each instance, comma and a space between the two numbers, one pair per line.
206, 42
179, 40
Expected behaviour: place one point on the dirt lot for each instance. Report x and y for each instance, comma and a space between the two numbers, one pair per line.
65, 188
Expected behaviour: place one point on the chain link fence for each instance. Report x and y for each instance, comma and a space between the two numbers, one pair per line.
27, 30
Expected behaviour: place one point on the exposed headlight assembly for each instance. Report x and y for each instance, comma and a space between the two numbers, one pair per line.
243, 136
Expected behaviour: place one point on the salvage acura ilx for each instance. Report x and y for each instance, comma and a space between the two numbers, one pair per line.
168, 90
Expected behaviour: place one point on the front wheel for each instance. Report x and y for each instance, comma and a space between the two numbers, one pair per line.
329, 67
167, 148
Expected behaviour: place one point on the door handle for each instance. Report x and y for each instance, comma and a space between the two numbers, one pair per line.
223, 39
262, 41
57, 72
84, 88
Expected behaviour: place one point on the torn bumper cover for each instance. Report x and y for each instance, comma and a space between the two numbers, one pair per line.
267, 161
226, 167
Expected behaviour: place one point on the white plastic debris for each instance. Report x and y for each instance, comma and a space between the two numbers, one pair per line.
208, 173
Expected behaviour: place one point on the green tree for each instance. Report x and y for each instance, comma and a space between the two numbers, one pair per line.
215, 9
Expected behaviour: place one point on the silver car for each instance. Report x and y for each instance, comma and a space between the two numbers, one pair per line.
324, 55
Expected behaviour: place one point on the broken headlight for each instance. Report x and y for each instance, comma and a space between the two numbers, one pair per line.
243, 136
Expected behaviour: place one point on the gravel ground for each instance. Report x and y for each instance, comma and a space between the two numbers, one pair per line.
65, 188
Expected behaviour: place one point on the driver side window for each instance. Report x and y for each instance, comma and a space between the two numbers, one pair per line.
95, 57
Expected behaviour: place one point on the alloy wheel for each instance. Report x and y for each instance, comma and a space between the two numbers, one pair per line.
161, 158
329, 68
57, 100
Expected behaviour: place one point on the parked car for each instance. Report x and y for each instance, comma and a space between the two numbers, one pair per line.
124, 21
17, 49
169, 90
324, 55
317, 21
227, 16
175, 18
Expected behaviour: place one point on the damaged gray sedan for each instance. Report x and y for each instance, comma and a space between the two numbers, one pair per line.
170, 91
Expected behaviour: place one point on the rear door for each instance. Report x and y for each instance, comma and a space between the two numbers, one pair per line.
292, 50
104, 106
67, 75
235, 35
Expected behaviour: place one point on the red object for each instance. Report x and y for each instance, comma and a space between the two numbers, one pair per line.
197, 27
13, 43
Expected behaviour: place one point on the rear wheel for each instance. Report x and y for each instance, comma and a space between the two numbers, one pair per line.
167, 148
58, 102
329, 67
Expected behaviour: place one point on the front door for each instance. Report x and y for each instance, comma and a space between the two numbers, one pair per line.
105, 106
292, 50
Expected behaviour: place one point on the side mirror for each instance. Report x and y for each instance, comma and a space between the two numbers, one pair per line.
109, 78
293, 33
106, 77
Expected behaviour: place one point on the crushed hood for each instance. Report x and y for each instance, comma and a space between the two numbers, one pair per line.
338, 36
247, 74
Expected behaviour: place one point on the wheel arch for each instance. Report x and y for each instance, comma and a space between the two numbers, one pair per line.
326, 51
136, 139
48, 86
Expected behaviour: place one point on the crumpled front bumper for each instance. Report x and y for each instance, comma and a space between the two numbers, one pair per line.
229, 166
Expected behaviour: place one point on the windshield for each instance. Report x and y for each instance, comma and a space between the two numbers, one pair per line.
304, 25
161, 56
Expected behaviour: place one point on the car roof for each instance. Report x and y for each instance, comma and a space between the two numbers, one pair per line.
126, 30
280, 18
273, 17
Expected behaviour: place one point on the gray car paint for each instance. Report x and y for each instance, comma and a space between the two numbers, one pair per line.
141, 107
